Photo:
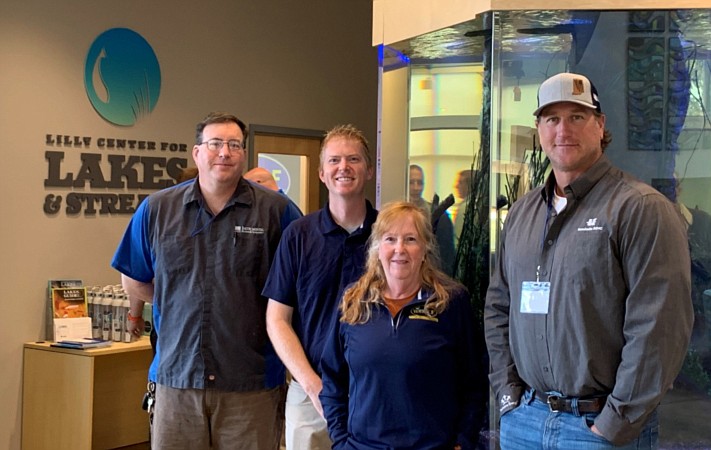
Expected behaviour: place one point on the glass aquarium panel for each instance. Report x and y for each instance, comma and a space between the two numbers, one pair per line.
472, 91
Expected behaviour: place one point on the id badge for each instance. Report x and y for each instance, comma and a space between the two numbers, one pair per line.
535, 297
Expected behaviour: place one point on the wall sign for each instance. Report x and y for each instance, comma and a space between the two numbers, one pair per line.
90, 174
122, 76
87, 187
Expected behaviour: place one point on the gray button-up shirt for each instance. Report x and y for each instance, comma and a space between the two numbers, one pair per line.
208, 272
619, 317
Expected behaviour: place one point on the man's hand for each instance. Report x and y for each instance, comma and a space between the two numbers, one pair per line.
139, 293
136, 325
312, 389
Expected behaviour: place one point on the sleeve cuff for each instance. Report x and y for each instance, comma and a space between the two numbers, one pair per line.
509, 398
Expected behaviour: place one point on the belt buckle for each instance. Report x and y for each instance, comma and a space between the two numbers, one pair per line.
553, 399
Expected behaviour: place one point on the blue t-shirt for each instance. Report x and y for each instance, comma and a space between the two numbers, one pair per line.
316, 260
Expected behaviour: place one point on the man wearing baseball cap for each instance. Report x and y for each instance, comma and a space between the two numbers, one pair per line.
588, 314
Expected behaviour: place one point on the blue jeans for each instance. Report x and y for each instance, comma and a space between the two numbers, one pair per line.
533, 426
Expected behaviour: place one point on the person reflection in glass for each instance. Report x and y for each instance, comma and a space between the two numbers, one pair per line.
442, 225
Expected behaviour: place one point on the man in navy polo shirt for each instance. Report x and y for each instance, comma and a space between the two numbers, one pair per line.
319, 255
200, 252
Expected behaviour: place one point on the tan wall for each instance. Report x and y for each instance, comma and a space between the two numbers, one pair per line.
397, 20
273, 62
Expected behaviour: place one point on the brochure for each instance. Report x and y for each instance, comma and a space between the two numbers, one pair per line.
54, 284
69, 302
72, 329
82, 343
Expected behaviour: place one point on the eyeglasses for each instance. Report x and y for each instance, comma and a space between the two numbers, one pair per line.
215, 145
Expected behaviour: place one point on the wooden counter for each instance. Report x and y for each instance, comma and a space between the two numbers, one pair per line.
84, 399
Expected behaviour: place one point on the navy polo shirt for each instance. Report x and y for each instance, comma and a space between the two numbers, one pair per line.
315, 262
208, 272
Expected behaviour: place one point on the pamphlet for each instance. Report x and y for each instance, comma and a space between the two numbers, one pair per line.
55, 284
82, 343
72, 328
69, 302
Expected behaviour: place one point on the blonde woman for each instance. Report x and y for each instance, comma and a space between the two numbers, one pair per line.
404, 367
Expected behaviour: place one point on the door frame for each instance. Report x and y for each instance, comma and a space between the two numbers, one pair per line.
255, 130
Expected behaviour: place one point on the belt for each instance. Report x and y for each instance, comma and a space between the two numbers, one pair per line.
557, 403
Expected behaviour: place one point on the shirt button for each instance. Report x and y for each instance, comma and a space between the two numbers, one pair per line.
545, 369
540, 337
211, 377
550, 242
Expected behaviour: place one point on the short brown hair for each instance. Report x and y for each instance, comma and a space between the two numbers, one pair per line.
219, 117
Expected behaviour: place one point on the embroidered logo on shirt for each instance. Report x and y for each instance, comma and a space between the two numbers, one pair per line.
506, 402
421, 313
248, 230
591, 225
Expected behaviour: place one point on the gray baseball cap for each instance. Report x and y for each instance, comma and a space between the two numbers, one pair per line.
567, 87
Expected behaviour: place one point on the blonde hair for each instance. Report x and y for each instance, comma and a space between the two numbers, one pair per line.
358, 300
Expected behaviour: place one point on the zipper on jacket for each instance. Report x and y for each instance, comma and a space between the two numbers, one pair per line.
395, 321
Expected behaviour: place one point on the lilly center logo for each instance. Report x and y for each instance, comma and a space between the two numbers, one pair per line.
122, 76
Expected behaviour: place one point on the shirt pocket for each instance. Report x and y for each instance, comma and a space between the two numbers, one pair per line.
249, 254
586, 257
177, 254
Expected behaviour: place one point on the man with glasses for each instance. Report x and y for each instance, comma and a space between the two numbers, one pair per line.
200, 252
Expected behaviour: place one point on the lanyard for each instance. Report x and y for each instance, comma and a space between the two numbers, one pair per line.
549, 209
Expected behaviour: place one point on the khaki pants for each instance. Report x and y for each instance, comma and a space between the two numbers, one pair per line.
305, 428
197, 419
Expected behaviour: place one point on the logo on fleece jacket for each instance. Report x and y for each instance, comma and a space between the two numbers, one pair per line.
422, 313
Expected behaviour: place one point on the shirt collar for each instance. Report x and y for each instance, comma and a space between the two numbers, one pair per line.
243, 194
581, 185
327, 225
